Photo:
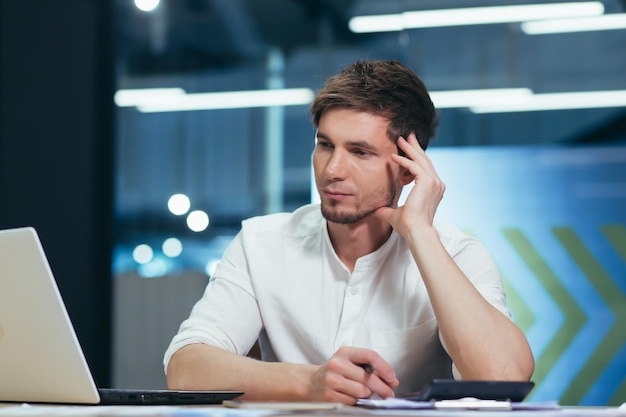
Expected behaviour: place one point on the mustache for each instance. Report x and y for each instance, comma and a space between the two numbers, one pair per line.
335, 190
333, 187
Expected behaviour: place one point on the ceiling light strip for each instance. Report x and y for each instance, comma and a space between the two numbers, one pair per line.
472, 16
497, 100
583, 24
483, 97
231, 100
559, 101
144, 96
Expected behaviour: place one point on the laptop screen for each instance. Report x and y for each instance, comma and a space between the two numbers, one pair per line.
40, 356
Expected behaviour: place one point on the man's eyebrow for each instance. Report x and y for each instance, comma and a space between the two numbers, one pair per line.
364, 146
321, 135
352, 143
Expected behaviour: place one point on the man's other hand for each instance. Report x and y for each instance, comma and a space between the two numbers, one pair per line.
353, 373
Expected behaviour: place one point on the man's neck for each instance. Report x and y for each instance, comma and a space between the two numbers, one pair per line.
353, 241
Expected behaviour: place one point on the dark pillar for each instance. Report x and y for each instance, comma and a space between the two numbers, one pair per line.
56, 150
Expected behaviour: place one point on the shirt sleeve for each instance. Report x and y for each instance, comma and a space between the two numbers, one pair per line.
473, 258
227, 316
478, 266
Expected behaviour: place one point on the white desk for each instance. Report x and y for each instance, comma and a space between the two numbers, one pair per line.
19, 410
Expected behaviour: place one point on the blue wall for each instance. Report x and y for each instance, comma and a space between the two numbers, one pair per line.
554, 219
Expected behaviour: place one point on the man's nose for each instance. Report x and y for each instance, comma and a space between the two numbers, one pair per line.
335, 167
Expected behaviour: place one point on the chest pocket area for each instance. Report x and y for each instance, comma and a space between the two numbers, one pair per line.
415, 353
414, 339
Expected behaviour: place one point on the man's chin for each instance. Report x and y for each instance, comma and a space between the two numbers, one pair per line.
344, 217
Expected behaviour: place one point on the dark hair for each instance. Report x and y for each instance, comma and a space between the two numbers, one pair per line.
385, 88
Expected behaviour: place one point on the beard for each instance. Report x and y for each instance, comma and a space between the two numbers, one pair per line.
383, 197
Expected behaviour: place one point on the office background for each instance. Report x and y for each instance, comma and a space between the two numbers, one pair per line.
545, 190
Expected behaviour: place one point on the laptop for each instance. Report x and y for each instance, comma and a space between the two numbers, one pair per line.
41, 360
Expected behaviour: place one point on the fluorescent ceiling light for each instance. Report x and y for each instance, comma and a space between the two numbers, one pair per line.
582, 24
145, 96
496, 100
485, 97
231, 100
560, 101
472, 16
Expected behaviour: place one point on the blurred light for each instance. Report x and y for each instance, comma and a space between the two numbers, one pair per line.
146, 5
156, 268
583, 24
472, 16
197, 220
211, 266
231, 100
142, 254
146, 96
172, 247
485, 97
178, 204
560, 101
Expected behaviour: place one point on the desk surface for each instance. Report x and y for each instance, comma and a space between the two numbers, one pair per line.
18, 410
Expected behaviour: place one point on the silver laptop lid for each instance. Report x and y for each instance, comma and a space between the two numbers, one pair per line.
40, 357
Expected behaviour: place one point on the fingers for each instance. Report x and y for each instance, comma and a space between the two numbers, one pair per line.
414, 152
353, 373
421, 204
379, 386
371, 362
416, 161
344, 378
371, 373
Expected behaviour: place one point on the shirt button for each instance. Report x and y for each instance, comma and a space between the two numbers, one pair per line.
354, 290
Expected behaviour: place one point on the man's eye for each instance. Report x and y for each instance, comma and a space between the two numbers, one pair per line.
361, 152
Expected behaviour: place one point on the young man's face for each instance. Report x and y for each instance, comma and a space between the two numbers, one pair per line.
354, 172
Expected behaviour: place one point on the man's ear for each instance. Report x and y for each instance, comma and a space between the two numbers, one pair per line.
406, 176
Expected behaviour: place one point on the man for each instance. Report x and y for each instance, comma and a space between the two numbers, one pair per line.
356, 296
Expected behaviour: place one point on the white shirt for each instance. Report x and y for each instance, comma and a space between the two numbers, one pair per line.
280, 281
